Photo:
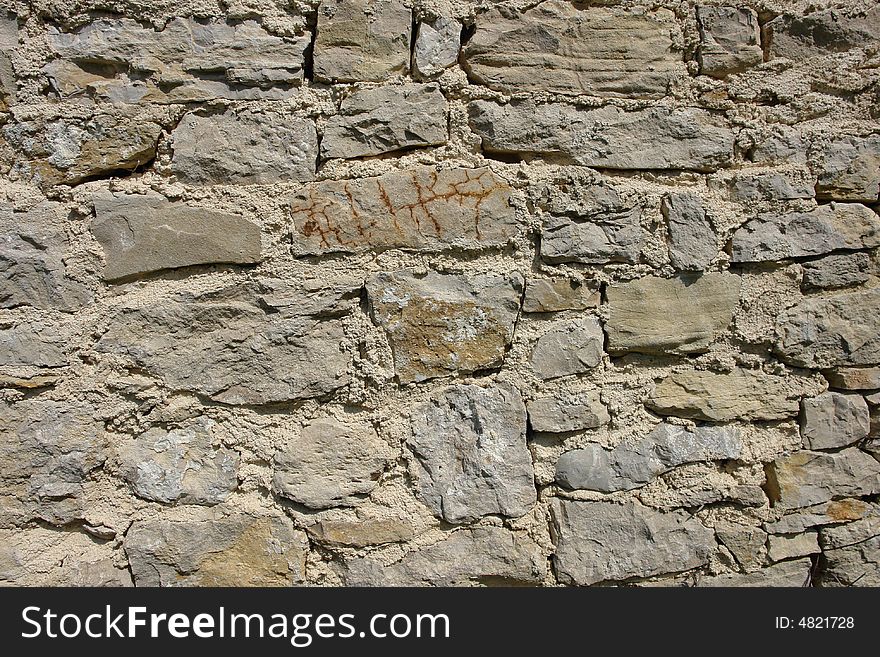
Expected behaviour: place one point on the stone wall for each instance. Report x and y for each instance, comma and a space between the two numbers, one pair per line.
470, 293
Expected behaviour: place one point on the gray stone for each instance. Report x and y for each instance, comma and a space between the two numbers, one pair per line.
741, 394
179, 465
850, 168
854, 378
145, 233
471, 458
572, 348
784, 574
442, 324
857, 565
825, 513
419, 209
386, 119
557, 46
361, 533
567, 412
616, 237
607, 137
468, 557
331, 464
828, 228
436, 46
8, 45
837, 271
781, 145
27, 345
231, 349
833, 420
746, 544
366, 40
730, 40
631, 465
681, 315
245, 147
821, 33
807, 478
693, 243
769, 186
604, 541
851, 533
211, 548
843, 329
547, 295
780, 548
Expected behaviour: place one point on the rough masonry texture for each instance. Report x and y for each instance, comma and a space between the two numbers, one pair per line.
429, 293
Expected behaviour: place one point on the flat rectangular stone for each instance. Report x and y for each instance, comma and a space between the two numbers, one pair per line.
834, 271
854, 378
545, 295
807, 478
821, 33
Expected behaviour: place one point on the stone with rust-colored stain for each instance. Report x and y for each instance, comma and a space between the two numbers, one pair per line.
442, 324
421, 209
807, 478
825, 513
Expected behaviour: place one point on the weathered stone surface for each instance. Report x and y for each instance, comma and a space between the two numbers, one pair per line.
361, 533
730, 40
27, 345
608, 137
850, 168
212, 549
483, 555
769, 186
546, 295
604, 541
145, 233
821, 33
567, 412
631, 465
780, 548
8, 44
837, 271
743, 394
179, 465
808, 478
188, 60
854, 378
571, 348
680, 315
693, 243
785, 574
840, 536
440, 324
746, 544
833, 420
782, 145
48, 449
471, 455
331, 464
32, 268
244, 147
852, 552
386, 119
232, 349
436, 46
421, 209
799, 234
826, 332
826, 513
559, 47
362, 40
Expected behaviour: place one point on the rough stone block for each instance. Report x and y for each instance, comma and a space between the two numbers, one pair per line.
730, 40
833, 420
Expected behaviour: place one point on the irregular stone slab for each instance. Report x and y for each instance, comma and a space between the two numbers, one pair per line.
187, 61
546, 295
828, 228
421, 209
863, 529
179, 465
850, 169
616, 237
48, 449
746, 544
231, 349
631, 465
436, 46
212, 549
826, 513
821, 33
681, 315
769, 186
483, 555
730, 40
31, 345
364, 40
837, 271
141, 234
780, 548
604, 541
567, 412
854, 378
833, 420
782, 144
331, 464
32, 267
386, 119
857, 565
471, 455
211, 149
441, 324
693, 243
574, 348
607, 137
8, 45
785, 574
807, 478
826, 332
361, 533
743, 394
